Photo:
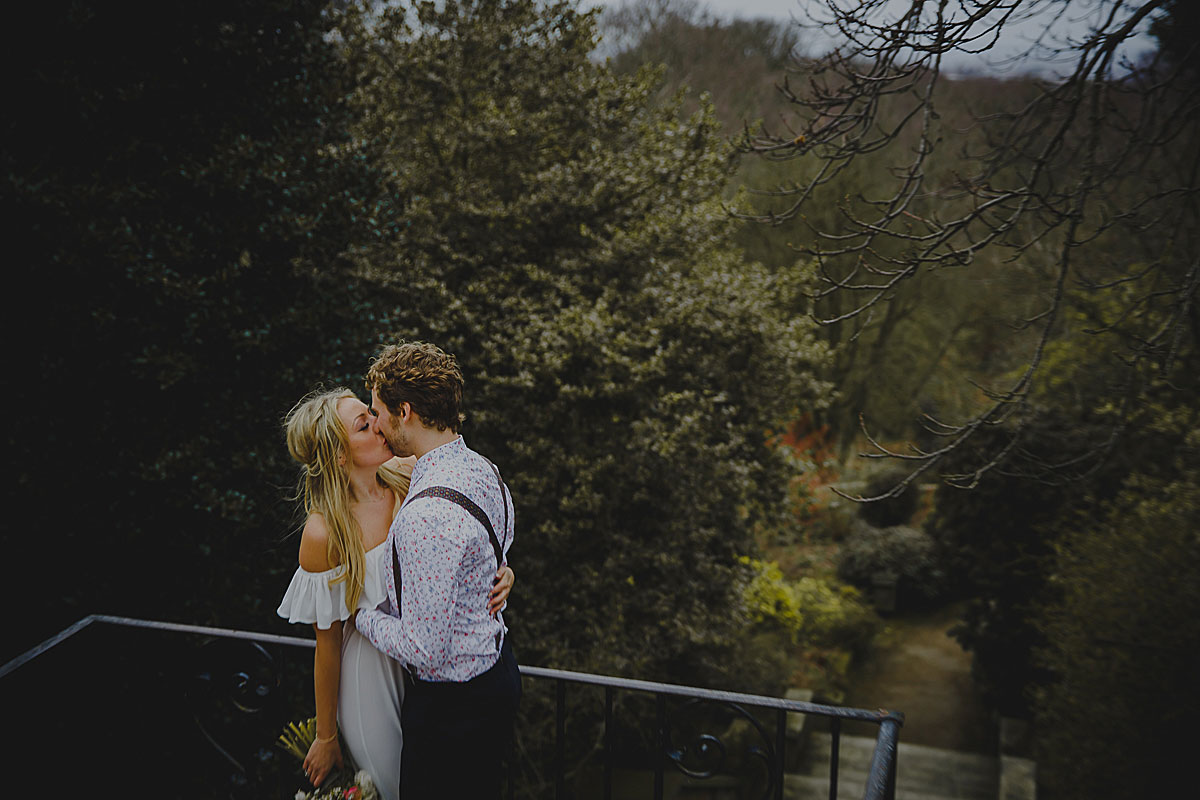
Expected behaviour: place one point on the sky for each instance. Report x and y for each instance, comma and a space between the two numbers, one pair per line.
1014, 41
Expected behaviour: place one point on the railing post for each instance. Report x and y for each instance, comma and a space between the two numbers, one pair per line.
663, 743
835, 743
891, 788
881, 779
512, 765
608, 742
780, 750
560, 739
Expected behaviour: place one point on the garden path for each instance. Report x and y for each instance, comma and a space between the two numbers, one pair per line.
919, 669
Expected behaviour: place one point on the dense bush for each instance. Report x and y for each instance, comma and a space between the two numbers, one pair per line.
905, 556
998, 541
1124, 628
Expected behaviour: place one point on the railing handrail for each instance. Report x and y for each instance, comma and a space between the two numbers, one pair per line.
882, 771
758, 700
632, 684
71, 630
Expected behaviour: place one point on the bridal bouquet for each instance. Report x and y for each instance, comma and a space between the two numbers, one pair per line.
346, 784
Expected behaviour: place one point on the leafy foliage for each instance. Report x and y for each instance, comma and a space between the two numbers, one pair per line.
816, 613
999, 538
1085, 183
996, 539
816, 625
181, 193
561, 233
267, 191
734, 63
1125, 626
982, 232
940, 331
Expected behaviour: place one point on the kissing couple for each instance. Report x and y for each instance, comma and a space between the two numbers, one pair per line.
404, 575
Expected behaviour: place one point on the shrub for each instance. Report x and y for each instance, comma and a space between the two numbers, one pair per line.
898, 510
1123, 633
905, 555
815, 612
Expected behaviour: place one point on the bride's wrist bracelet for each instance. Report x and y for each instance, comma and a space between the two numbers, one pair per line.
319, 740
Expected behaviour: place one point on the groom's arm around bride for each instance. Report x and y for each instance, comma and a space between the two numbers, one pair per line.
450, 536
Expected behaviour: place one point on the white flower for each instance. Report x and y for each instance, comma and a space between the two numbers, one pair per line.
366, 784
300, 795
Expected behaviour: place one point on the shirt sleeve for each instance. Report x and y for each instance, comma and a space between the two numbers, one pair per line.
432, 540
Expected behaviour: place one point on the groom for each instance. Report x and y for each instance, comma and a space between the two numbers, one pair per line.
452, 532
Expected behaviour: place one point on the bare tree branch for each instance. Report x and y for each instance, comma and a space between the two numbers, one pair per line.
1090, 177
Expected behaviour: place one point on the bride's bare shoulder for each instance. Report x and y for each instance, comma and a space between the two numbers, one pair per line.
313, 544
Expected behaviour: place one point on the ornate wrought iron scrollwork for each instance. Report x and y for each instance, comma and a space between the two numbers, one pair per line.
233, 695
702, 755
707, 749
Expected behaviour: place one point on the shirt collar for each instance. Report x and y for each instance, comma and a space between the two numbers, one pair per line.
438, 455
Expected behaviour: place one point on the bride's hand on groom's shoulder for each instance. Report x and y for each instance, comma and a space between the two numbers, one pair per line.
405, 464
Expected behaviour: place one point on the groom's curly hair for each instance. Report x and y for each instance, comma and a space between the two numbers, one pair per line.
423, 375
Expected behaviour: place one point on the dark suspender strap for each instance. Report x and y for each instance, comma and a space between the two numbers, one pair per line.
503, 495
472, 508
455, 496
396, 576
504, 504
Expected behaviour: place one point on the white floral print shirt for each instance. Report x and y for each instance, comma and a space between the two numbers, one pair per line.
447, 565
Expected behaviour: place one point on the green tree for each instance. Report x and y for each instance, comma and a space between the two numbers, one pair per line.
1084, 186
560, 229
562, 233
181, 214
939, 327
736, 63
1123, 633
1058, 182
1000, 537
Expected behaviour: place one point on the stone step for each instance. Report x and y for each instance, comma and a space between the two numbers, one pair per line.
921, 771
857, 751
810, 787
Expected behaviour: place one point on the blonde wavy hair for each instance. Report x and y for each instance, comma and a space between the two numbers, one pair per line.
317, 438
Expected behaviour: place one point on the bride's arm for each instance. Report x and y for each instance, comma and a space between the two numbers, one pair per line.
325, 755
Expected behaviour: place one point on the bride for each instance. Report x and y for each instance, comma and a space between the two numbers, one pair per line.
352, 487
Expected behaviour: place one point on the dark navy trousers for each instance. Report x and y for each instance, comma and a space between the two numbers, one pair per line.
456, 735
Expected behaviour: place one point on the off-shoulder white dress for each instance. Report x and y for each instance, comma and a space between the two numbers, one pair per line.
372, 686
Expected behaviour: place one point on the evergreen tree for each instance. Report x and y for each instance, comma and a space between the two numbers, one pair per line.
173, 182
561, 233
1123, 633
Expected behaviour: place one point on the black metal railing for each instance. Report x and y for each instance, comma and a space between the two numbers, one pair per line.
696, 734
772, 750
